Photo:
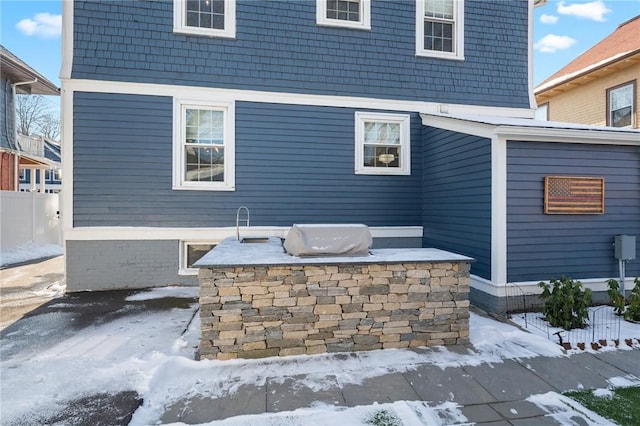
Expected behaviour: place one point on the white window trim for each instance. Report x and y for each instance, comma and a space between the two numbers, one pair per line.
180, 26
405, 143
183, 269
610, 110
363, 24
458, 47
179, 129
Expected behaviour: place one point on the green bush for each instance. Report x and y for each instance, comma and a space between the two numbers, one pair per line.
567, 304
629, 309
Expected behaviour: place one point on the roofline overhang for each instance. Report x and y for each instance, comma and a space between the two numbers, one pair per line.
21, 72
539, 3
606, 136
585, 72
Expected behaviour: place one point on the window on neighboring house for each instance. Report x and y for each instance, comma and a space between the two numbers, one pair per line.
204, 152
23, 175
382, 144
216, 18
52, 175
542, 112
440, 28
621, 106
190, 253
344, 13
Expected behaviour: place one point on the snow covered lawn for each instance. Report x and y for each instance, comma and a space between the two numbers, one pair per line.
151, 352
29, 251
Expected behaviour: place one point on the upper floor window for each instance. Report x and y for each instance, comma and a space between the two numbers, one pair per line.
215, 18
621, 105
382, 144
440, 28
344, 13
204, 146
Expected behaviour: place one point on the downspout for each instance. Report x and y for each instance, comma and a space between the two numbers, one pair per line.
16, 171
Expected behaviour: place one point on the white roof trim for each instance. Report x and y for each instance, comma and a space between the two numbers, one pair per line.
529, 129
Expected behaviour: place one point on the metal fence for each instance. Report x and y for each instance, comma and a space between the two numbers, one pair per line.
602, 327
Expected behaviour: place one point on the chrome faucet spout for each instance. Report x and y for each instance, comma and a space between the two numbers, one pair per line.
246, 220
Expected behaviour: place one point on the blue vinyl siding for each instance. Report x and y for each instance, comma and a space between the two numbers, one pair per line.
278, 47
581, 246
293, 164
7, 115
456, 198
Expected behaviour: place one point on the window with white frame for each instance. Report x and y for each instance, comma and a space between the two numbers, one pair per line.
344, 13
382, 144
214, 18
204, 146
23, 175
621, 106
440, 28
190, 253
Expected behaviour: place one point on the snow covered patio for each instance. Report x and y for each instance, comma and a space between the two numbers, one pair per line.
128, 358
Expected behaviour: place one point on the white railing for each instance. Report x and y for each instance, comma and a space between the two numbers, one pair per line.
33, 145
28, 216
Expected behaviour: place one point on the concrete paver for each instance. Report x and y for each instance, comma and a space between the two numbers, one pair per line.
565, 373
517, 409
434, 384
481, 413
289, 394
381, 390
628, 361
508, 381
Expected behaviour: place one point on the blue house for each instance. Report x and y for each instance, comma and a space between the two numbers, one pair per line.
30, 180
413, 117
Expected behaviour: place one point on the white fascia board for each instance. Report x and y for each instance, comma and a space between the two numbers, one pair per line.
482, 130
67, 39
211, 234
540, 134
207, 93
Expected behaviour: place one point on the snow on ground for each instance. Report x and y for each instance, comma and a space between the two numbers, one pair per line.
564, 409
152, 354
161, 292
29, 251
609, 328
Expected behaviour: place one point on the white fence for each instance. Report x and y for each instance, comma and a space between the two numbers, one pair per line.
28, 216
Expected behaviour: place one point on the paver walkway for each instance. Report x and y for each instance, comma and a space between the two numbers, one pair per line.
490, 394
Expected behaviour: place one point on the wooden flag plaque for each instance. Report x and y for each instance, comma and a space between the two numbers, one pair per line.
573, 195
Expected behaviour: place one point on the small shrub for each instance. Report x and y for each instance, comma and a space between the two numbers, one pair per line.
630, 309
567, 304
617, 300
383, 418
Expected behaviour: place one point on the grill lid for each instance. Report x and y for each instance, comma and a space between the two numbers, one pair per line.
328, 240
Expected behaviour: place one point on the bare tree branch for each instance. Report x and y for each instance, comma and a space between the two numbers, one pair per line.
49, 127
33, 116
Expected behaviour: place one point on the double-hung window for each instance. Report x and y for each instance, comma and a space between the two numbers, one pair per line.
621, 107
440, 28
214, 18
344, 13
204, 146
382, 144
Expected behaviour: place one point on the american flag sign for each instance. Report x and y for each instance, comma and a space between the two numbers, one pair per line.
573, 195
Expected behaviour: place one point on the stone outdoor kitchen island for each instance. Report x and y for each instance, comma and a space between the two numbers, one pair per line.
258, 301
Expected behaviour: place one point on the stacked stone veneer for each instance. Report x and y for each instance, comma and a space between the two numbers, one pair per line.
255, 311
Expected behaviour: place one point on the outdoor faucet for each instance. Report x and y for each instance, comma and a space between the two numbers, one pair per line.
238, 220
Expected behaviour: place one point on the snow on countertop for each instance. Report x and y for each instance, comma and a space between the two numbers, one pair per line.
231, 252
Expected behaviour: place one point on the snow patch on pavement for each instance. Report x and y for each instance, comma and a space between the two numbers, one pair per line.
29, 251
162, 292
566, 411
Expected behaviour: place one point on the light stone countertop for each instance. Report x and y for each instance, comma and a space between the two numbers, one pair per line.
231, 252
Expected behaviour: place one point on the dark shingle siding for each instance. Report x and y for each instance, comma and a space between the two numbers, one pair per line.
286, 156
579, 246
279, 47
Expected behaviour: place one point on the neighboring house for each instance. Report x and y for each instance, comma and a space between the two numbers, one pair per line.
19, 153
52, 176
412, 117
599, 87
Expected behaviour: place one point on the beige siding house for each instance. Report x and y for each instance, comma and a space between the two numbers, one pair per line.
600, 87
